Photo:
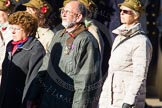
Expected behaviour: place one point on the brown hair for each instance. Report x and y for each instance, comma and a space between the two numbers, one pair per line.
43, 21
27, 21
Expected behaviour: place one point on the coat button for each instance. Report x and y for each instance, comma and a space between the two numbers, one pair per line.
60, 96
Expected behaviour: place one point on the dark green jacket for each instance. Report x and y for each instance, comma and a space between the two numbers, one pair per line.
69, 80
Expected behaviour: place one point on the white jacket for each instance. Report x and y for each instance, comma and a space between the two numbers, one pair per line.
44, 35
128, 67
5, 37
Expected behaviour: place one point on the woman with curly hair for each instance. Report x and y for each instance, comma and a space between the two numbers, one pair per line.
22, 60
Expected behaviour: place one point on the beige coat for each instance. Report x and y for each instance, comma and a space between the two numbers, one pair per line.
44, 35
128, 67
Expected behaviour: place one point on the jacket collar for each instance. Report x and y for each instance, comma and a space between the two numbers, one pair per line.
123, 31
41, 31
27, 45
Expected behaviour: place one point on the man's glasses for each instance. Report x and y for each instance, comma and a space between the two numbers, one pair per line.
67, 12
129, 12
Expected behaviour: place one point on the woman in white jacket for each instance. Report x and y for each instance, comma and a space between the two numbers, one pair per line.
5, 34
125, 86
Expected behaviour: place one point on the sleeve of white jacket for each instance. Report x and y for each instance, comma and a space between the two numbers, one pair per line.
2, 52
141, 58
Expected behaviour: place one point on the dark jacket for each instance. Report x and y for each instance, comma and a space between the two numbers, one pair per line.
69, 80
18, 69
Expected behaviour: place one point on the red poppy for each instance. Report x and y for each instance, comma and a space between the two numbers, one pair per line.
44, 9
4, 28
7, 3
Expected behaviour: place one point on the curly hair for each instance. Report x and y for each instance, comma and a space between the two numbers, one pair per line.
27, 21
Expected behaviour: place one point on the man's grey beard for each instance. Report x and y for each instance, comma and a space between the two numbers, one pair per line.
68, 25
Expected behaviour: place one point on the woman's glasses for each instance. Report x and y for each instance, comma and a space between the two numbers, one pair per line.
16, 28
129, 12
